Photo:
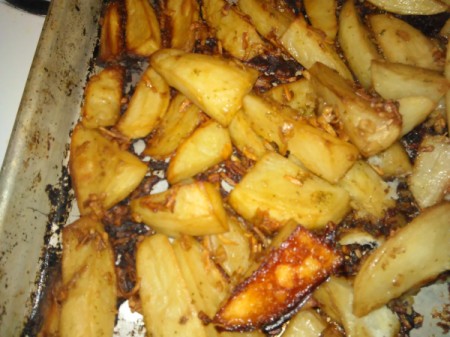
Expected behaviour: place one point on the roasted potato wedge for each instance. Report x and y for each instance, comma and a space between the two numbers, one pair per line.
235, 33
167, 304
396, 80
414, 110
370, 130
411, 7
392, 162
369, 193
336, 299
268, 20
322, 153
147, 105
412, 256
430, 178
298, 95
246, 139
276, 190
411, 45
102, 173
215, 84
102, 98
179, 121
209, 145
352, 32
322, 15
285, 278
306, 323
308, 46
142, 32
184, 15
89, 281
112, 42
193, 209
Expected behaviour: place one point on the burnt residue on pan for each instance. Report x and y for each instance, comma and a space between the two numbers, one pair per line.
60, 197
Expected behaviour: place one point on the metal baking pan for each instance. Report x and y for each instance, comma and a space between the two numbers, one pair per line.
34, 185
35, 189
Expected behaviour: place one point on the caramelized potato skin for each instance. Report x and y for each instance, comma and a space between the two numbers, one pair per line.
283, 281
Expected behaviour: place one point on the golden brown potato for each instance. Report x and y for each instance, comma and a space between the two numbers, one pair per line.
102, 173
102, 98
184, 15
392, 162
356, 43
298, 95
276, 190
371, 130
179, 121
336, 298
411, 45
246, 139
411, 7
215, 84
236, 35
270, 22
209, 145
369, 193
111, 37
305, 323
193, 208
396, 80
286, 276
415, 254
430, 178
147, 105
308, 46
142, 32
414, 110
167, 304
322, 153
322, 15
89, 281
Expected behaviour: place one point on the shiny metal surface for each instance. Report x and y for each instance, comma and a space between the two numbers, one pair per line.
34, 161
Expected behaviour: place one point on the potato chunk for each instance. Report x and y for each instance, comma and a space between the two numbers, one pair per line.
336, 299
356, 43
285, 278
147, 105
184, 15
179, 121
369, 129
111, 38
411, 45
209, 145
167, 304
102, 98
102, 173
411, 7
414, 255
276, 190
237, 36
192, 209
142, 32
322, 15
430, 180
89, 280
215, 84
308, 46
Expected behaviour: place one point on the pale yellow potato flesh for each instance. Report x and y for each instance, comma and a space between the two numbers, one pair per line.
88, 276
322, 15
412, 256
184, 15
411, 7
215, 84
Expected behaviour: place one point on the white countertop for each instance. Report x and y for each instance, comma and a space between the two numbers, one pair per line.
19, 35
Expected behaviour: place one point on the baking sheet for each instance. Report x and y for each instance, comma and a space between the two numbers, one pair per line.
35, 189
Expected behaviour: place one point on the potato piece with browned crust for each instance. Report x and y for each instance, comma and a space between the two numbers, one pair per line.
89, 281
284, 280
